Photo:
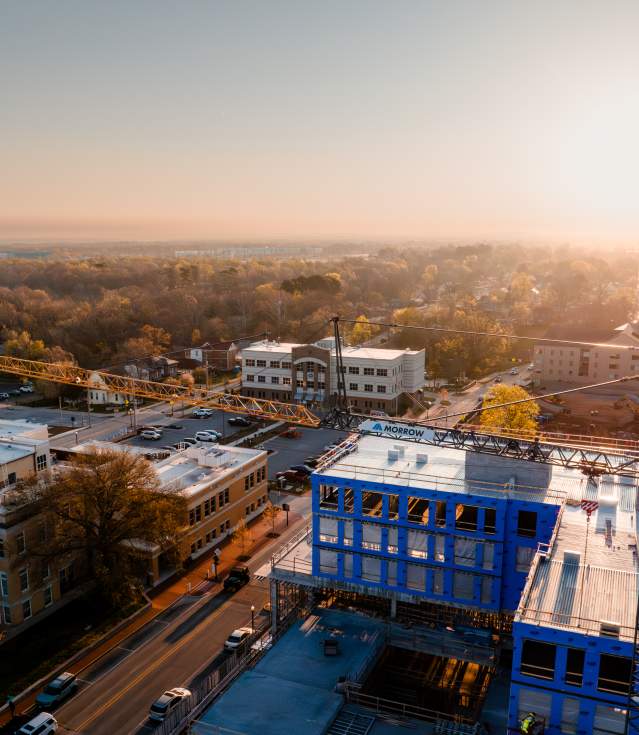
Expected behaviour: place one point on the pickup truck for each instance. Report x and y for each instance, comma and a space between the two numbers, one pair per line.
238, 577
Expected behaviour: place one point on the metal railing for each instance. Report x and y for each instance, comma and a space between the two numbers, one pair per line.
388, 706
294, 541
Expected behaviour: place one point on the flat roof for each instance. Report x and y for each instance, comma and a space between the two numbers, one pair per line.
291, 689
367, 458
12, 452
367, 353
21, 428
589, 576
198, 467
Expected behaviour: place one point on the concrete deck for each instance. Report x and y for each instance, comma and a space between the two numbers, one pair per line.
291, 688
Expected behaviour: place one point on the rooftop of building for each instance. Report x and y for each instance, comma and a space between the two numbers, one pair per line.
291, 689
197, 467
22, 429
11, 452
359, 351
405, 465
587, 581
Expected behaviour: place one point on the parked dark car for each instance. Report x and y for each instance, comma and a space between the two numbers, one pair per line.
238, 577
56, 691
311, 461
239, 421
302, 468
293, 476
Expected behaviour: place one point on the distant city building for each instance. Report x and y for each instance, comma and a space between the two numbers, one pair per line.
218, 355
156, 368
584, 364
375, 378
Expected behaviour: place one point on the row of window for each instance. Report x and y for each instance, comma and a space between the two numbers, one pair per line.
26, 607
21, 542
277, 364
208, 507
538, 659
420, 510
416, 577
210, 537
368, 387
254, 477
380, 372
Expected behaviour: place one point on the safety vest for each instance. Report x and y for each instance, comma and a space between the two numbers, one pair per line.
527, 723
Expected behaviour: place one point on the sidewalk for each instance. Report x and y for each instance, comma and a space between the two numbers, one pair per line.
197, 576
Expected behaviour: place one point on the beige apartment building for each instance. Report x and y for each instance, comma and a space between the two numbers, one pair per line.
584, 364
29, 589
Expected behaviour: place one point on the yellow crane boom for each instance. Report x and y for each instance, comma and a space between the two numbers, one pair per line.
69, 374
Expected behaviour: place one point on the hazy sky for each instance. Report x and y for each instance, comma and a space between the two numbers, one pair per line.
207, 118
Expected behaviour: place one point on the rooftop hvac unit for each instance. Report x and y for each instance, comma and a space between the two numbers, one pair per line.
393, 455
400, 449
572, 557
609, 629
421, 458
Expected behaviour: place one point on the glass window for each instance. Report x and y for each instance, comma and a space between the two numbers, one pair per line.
438, 581
393, 546
488, 561
569, 716
381, 389
371, 536
417, 545
21, 545
369, 371
328, 530
6, 610
4, 584
24, 580
609, 720
328, 497
393, 507
465, 552
416, 576
417, 510
486, 590
352, 370
391, 573
348, 565
538, 659
463, 585
41, 462
440, 513
535, 700
525, 555
371, 569
352, 386
368, 388
440, 547
490, 520
614, 674
26, 609
328, 561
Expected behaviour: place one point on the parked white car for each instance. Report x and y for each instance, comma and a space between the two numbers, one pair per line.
237, 638
164, 705
26, 389
151, 434
206, 436
42, 724
203, 413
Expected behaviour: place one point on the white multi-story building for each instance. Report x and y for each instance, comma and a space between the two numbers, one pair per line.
375, 378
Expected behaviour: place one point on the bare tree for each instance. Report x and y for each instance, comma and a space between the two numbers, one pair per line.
242, 537
270, 513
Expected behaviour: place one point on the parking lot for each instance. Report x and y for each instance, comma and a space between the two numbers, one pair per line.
287, 452
175, 428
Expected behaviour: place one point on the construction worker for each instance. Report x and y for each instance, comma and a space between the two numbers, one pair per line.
528, 723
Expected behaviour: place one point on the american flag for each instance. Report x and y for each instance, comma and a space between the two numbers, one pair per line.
590, 506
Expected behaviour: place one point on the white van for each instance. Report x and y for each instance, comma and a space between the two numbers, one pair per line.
42, 724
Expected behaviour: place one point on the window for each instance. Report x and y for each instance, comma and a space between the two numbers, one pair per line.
527, 523
328, 530
416, 576
371, 536
353, 386
371, 569
7, 614
223, 497
328, 497
24, 580
464, 552
614, 674
286, 364
349, 500
21, 545
535, 700
275, 379
328, 561
207, 507
26, 609
538, 659
260, 363
369, 371
438, 582
250, 378
393, 507
524, 558
440, 546
417, 544
609, 720
392, 543
486, 590
488, 560
466, 517
417, 510
1, 548
391, 573
569, 716
368, 388
198, 513
4, 584
382, 372
46, 570
274, 363
575, 666
286, 381
440, 513
353, 370
371, 504
41, 462
249, 363
348, 565
261, 378
48, 596
381, 389
490, 520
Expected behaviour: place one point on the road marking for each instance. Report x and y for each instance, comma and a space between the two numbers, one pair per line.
145, 672
128, 650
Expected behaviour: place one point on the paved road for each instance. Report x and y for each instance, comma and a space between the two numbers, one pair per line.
287, 452
177, 649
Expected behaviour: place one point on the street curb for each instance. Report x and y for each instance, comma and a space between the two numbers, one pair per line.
80, 654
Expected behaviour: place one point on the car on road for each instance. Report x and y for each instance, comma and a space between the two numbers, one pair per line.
514, 371
239, 421
26, 389
292, 476
497, 379
42, 724
56, 691
237, 639
190, 440
150, 434
202, 413
164, 705
175, 426
206, 436
4, 396
238, 577
148, 427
